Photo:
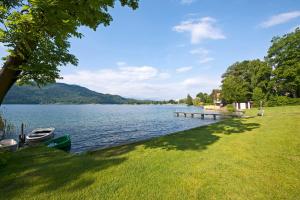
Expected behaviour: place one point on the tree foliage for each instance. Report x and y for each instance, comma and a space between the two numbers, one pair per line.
249, 75
37, 32
278, 75
258, 96
234, 89
189, 100
284, 57
197, 102
204, 98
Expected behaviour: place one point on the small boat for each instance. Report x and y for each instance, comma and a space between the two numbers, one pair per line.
8, 145
63, 143
40, 135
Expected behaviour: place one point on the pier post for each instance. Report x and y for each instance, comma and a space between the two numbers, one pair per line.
177, 114
192, 115
215, 117
184, 114
202, 116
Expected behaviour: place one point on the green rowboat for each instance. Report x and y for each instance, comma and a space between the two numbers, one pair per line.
63, 143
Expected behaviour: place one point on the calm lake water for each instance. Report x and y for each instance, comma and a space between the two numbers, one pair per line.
99, 126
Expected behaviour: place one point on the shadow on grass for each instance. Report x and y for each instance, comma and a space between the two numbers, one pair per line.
200, 138
47, 170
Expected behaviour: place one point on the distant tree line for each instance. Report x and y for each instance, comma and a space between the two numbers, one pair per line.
140, 102
201, 99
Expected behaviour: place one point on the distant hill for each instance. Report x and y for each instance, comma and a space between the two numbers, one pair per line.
61, 93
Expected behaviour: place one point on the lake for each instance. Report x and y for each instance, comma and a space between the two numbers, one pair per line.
99, 126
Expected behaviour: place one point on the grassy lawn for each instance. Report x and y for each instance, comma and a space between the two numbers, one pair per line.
255, 158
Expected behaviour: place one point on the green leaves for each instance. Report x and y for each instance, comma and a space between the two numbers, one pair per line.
204, 97
249, 75
284, 56
259, 80
258, 96
37, 32
234, 89
189, 100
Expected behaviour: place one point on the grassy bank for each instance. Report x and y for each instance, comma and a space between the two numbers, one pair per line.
255, 158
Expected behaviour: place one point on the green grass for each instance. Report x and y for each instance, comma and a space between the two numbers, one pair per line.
255, 158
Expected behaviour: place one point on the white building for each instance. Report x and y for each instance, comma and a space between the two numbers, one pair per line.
242, 106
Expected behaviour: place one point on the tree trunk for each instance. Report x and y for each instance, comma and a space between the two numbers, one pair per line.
9, 74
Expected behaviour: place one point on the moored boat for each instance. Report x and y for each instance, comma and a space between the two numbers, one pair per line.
8, 145
63, 143
40, 135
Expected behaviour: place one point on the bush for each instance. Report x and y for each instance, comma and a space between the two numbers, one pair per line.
282, 101
230, 108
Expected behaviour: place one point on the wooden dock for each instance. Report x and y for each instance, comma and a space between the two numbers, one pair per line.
193, 114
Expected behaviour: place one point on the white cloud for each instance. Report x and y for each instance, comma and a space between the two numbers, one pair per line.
280, 19
164, 76
206, 60
187, 1
202, 55
199, 51
121, 63
144, 82
200, 29
184, 69
120, 75
137, 73
128, 81
200, 82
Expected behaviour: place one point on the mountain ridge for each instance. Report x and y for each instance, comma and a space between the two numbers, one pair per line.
62, 93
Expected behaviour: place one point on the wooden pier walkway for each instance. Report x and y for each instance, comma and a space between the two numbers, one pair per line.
193, 114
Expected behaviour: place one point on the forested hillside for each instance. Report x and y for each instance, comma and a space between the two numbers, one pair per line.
61, 93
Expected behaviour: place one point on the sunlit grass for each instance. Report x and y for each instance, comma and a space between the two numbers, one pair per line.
255, 158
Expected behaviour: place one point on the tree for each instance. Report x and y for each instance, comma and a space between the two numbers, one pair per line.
172, 101
250, 74
197, 101
258, 96
284, 57
37, 33
189, 100
182, 101
204, 97
234, 90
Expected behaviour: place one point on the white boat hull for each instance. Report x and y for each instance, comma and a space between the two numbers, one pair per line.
40, 135
8, 145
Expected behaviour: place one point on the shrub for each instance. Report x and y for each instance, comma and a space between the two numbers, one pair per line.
282, 101
230, 108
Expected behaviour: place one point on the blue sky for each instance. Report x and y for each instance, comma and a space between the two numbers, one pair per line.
168, 48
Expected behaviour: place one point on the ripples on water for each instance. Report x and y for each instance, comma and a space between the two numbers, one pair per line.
100, 126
